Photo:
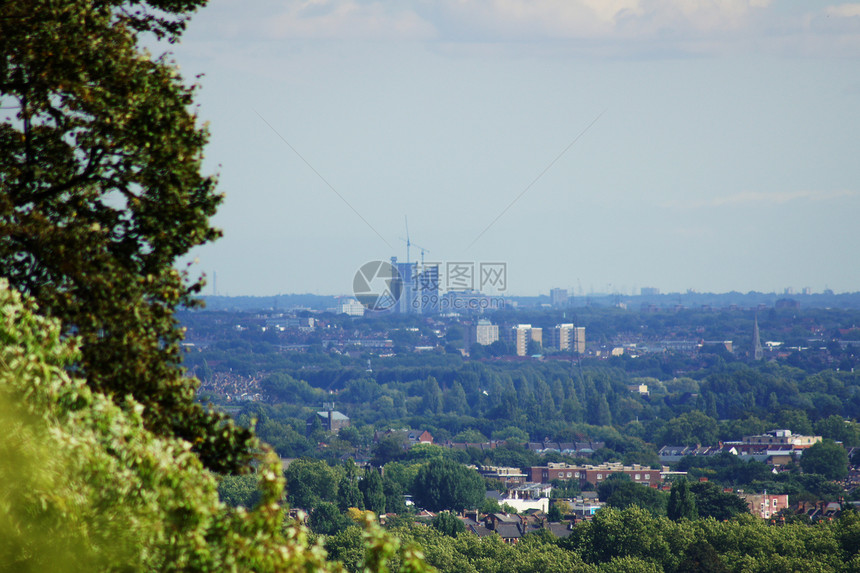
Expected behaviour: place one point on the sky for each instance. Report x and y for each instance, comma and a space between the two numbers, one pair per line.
596, 145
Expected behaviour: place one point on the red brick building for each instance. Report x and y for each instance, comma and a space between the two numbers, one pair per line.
594, 474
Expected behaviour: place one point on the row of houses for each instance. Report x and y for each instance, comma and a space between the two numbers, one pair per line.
776, 447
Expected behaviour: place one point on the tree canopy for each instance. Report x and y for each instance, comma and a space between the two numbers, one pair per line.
446, 484
826, 458
101, 192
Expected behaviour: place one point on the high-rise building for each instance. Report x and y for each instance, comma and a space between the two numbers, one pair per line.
521, 334
416, 288
560, 336
427, 290
406, 300
565, 337
558, 297
485, 332
579, 339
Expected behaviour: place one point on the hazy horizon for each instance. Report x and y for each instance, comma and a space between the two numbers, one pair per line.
721, 153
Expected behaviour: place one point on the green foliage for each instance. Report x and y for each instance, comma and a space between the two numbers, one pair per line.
238, 491
826, 458
630, 533
555, 514
309, 482
445, 484
327, 519
395, 502
690, 429
512, 435
86, 486
448, 523
470, 435
682, 502
725, 468
620, 492
389, 448
372, 550
701, 557
712, 501
372, 491
101, 194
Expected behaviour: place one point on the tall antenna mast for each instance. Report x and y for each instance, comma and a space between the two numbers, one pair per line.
408, 242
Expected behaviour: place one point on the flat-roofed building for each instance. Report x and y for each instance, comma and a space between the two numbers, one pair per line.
595, 474
485, 332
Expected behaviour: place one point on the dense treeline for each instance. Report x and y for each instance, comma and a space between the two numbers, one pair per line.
632, 540
561, 402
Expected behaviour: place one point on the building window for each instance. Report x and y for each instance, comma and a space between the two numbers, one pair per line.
647, 476
599, 476
638, 476
568, 474
774, 503
576, 474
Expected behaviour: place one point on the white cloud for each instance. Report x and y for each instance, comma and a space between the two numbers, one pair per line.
843, 10
349, 19
619, 27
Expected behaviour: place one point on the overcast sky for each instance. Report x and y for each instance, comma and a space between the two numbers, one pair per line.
596, 145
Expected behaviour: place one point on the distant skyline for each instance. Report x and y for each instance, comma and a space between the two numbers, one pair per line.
725, 158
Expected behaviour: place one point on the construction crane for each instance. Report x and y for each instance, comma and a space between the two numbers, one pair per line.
423, 250
408, 242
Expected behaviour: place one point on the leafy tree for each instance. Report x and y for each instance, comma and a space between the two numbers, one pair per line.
425, 452
470, 435
796, 421
239, 490
839, 429
327, 519
86, 486
372, 491
557, 510
454, 400
826, 458
448, 523
690, 429
389, 448
682, 504
628, 533
712, 501
620, 492
309, 482
394, 500
102, 193
431, 401
445, 484
349, 494
701, 557
511, 434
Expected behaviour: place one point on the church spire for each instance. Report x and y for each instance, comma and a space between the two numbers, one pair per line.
758, 353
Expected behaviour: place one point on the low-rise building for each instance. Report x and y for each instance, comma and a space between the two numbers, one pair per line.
595, 474
778, 438
330, 419
765, 505
510, 477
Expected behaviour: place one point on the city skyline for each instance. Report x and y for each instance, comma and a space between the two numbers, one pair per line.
619, 145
